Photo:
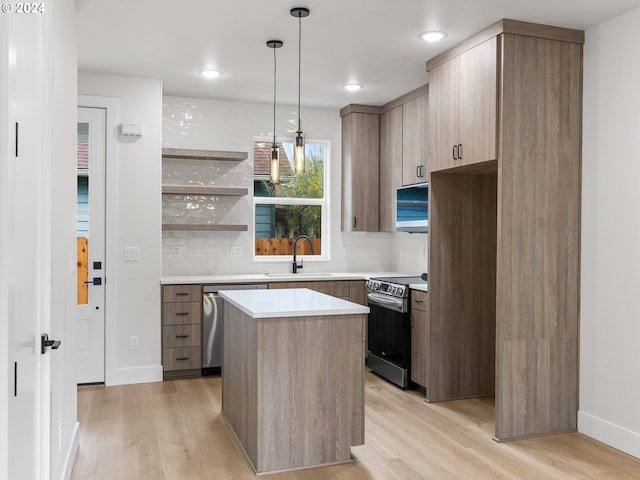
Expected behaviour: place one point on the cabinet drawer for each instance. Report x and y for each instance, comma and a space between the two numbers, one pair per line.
419, 300
185, 358
181, 336
181, 313
181, 293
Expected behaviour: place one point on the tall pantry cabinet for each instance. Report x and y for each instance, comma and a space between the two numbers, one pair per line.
504, 246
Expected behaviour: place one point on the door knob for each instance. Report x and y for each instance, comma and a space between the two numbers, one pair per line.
46, 343
95, 281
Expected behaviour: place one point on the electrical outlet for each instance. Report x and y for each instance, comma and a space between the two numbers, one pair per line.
133, 342
176, 251
347, 251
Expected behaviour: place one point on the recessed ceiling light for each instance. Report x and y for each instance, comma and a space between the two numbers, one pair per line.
210, 73
432, 36
353, 87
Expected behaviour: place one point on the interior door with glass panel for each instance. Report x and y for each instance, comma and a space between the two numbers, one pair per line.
90, 313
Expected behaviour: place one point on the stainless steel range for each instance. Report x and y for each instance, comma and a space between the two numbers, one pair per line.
389, 330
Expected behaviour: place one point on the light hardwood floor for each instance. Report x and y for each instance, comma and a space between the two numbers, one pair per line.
174, 430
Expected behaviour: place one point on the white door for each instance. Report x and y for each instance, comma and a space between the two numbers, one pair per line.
90, 313
25, 240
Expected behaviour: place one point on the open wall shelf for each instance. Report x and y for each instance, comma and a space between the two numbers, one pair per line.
204, 154
178, 154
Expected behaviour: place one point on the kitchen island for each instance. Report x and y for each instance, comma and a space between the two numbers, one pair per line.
293, 376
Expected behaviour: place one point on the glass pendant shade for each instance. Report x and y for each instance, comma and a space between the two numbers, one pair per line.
298, 154
274, 176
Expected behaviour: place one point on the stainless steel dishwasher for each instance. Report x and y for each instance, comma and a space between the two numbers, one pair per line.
212, 315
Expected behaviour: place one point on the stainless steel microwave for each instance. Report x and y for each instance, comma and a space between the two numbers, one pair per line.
412, 208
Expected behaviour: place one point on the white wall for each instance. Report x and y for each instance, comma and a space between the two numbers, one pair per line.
64, 425
227, 125
133, 220
610, 280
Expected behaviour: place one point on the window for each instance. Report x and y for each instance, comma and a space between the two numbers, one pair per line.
296, 206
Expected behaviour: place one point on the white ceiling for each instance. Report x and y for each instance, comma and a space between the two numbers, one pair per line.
371, 42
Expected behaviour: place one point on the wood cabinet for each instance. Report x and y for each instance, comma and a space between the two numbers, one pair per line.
351, 290
414, 140
181, 330
403, 149
463, 107
360, 168
391, 142
419, 334
183, 191
504, 233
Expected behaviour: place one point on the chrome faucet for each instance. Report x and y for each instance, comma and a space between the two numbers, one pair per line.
297, 266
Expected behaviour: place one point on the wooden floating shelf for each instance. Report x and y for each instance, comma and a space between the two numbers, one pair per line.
173, 227
203, 190
204, 154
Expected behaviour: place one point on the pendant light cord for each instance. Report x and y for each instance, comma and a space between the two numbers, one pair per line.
274, 96
299, 67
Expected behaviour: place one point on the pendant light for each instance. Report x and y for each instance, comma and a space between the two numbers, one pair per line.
298, 153
274, 172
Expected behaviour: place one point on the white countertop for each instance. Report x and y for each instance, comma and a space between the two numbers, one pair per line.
290, 302
271, 277
419, 286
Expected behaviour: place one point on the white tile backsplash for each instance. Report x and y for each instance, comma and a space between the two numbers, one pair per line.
226, 125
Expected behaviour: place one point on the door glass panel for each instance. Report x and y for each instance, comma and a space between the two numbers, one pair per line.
82, 215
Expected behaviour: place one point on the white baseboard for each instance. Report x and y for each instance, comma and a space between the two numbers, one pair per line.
71, 453
127, 376
613, 435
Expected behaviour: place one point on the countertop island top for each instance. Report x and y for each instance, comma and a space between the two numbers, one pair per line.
289, 302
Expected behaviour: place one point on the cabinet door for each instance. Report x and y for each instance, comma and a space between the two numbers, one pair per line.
412, 164
419, 340
390, 166
478, 103
360, 172
444, 94
424, 135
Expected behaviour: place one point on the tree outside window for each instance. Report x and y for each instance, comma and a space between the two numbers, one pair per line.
295, 206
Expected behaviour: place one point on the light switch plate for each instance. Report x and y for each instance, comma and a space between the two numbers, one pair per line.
235, 251
131, 254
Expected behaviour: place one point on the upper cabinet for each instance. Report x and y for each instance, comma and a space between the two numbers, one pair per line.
403, 149
414, 140
383, 148
463, 108
390, 162
360, 168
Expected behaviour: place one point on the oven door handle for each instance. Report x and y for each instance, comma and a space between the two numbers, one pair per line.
384, 301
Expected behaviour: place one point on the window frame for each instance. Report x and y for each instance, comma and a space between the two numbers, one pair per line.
324, 203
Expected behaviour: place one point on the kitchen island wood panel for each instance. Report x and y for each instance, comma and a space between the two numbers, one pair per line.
293, 386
